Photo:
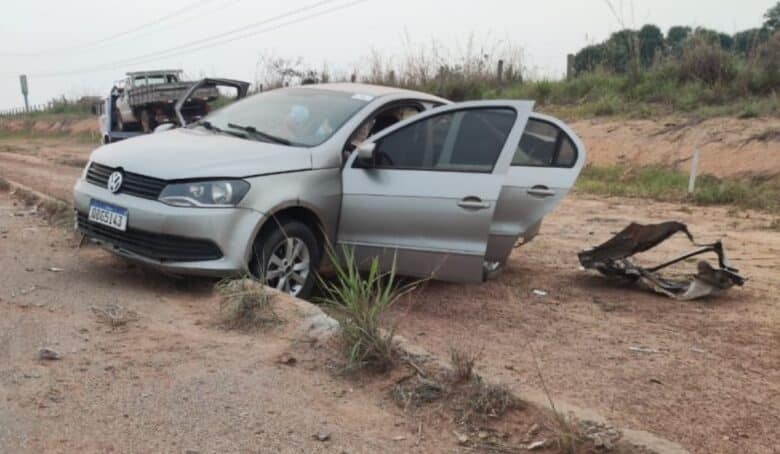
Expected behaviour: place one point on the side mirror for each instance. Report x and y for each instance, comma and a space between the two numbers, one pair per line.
164, 127
366, 151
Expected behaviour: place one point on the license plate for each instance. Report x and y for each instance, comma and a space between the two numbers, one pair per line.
109, 215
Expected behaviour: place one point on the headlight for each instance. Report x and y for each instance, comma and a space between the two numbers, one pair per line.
221, 193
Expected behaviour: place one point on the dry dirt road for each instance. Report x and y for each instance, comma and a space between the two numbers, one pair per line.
172, 381
713, 384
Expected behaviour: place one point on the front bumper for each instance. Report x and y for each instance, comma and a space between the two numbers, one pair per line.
232, 230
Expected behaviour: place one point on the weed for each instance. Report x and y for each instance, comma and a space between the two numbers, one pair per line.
115, 315
479, 400
361, 302
245, 304
462, 365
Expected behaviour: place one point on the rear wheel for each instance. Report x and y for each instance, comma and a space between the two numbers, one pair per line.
287, 258
147, 121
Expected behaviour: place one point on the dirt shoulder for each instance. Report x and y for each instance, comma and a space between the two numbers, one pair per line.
729, 147
171, 381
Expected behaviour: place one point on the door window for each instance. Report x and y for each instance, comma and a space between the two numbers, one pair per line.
544, 145
468, 140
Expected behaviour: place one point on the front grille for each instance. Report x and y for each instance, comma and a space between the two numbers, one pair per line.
132, 183
152, 245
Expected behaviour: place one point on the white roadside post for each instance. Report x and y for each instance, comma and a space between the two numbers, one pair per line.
694, 169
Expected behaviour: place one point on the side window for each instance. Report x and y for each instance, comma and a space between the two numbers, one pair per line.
380, 121
544, 145
468, 140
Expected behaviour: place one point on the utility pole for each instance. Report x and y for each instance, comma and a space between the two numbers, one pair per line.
23, 82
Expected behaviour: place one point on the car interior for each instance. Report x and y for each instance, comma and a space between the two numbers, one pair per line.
382, 120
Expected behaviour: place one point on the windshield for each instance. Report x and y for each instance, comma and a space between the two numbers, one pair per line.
298, 116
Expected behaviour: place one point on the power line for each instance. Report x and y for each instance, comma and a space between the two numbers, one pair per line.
187, 48
110, 38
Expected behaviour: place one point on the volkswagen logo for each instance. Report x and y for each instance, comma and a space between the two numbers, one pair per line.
115, 181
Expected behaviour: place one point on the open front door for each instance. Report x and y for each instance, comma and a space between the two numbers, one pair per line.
427, 194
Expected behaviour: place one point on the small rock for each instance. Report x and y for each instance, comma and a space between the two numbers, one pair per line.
286, 359
399, 438
538, 292
482, 434
536, 445
656, 381
535, 428
322, 436
29, 269
47, 354
54, 269
462, 438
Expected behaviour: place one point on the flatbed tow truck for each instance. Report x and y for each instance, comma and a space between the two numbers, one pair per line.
163, 105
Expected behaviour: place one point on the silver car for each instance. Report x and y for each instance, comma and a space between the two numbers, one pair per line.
265, 184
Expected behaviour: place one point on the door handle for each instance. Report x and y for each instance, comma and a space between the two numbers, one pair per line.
541, 191
473, 203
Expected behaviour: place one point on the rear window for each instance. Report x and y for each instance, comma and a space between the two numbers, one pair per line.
544, 145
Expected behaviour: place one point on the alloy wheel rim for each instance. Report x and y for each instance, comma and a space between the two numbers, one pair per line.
288, 266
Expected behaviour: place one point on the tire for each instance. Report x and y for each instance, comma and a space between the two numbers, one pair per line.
147, 121
279, 253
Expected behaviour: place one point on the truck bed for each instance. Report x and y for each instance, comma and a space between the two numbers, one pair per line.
167, 94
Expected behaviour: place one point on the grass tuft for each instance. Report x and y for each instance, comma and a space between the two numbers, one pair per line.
245, 304
361, 302
5, 186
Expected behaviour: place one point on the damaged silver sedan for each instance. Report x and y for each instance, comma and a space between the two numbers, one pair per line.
613, 259
263, 185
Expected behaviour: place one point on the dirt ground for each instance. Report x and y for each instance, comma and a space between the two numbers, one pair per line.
171, 379
711, 384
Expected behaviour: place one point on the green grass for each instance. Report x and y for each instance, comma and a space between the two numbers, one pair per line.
361, 302
659, 183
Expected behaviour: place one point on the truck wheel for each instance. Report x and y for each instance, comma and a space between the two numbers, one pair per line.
147, 121
287, 258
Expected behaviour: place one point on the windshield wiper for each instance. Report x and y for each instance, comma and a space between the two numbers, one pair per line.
265, 135
209, 126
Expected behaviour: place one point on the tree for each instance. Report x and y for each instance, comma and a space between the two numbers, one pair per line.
650, 40
747, 41
589, 58
772, 17
676, 35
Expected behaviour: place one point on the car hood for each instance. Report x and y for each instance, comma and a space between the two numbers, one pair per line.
194, 153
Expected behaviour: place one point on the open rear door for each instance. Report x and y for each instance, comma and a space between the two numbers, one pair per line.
548, 159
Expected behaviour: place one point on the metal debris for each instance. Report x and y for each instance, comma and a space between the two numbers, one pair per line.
612, 259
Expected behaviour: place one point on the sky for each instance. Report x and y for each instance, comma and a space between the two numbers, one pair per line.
79, 47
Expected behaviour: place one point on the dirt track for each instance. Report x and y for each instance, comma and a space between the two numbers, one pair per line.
713, 386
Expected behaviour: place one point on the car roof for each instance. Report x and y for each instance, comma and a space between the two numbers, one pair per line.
372, 90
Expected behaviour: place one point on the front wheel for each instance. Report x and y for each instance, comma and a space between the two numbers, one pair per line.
287, 258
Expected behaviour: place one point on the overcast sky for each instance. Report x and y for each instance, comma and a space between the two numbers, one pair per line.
63, 34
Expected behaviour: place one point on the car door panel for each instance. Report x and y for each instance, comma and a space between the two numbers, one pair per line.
528, 194
433, 223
